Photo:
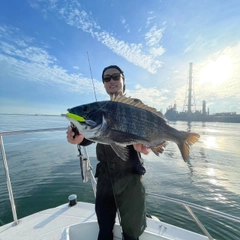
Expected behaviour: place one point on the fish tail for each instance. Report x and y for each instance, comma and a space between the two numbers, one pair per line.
184, 145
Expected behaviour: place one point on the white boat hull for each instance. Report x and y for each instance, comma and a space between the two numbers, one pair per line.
80, 222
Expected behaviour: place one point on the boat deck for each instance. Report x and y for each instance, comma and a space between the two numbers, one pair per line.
79, 222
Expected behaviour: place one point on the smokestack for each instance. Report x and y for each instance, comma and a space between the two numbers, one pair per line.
190, 89
204, 107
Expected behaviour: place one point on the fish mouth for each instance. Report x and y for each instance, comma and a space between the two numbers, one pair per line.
75, 117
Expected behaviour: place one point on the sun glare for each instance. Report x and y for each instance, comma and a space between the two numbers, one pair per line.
210, 142
217, 72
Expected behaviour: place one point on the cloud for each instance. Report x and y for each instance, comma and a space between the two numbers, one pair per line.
23, 59
154, 36
149, 95
125, 25
150, 19
76, 67
200, 45
28, 53
144, 55
123, 20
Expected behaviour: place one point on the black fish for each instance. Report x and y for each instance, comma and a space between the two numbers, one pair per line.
124, 121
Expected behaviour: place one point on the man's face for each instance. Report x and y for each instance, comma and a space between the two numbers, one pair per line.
113, 86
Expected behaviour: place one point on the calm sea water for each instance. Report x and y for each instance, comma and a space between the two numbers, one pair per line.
44, 171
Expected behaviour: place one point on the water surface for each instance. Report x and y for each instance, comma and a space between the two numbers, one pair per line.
44, 171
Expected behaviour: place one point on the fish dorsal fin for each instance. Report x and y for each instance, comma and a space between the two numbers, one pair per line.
136, 103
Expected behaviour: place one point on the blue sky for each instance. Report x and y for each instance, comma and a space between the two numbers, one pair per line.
45, 44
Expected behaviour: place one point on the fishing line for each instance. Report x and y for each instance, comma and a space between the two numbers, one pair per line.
92, 77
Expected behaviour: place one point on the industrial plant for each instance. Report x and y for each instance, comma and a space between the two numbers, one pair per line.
201, 115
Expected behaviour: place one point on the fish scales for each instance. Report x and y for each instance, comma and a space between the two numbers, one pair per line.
126, 118
140, 122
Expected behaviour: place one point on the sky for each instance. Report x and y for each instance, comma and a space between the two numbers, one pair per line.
52, 53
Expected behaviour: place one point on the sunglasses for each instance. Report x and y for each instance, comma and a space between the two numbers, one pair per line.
115, 77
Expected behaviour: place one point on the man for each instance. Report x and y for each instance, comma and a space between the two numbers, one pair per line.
119, 186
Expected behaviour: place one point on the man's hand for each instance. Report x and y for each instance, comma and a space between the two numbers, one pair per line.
139, 147
72, 137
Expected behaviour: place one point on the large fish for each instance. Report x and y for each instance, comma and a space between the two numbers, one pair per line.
123, 121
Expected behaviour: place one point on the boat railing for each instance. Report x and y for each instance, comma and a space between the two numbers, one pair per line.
4, 158
86, 170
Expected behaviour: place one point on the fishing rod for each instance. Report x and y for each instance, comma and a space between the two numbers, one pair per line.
84, 161
91, 77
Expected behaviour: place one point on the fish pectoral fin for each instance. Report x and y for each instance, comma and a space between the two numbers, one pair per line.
160, 148
124, 137
121, 151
